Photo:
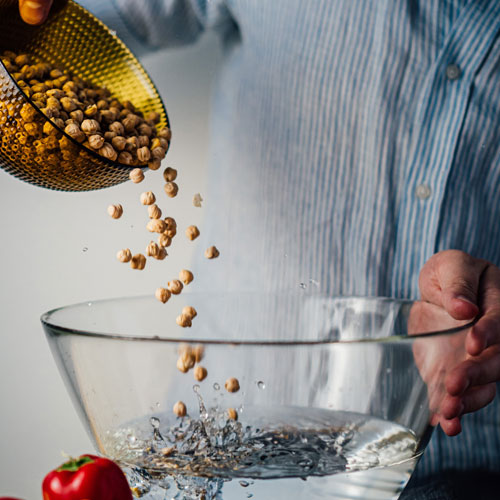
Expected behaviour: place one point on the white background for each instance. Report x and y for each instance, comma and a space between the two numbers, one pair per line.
59, 248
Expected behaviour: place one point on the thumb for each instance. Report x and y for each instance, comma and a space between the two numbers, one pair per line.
452, 281
34, 11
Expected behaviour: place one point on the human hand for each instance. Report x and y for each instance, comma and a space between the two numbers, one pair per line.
466, 288
34, 11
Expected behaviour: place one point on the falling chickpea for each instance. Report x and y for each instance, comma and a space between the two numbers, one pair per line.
187, 358
136, 175
200, 373
162, 253
154, 212
124, 255
115, 211
170, 222
164, 240
232, 414
156, 226
232, 385
184, 321
175, 286
198, 352
180, 409
152, 249
148, 198
211, 252
171, 189
170, 174
162, 294
186, 276
182, 366
197, 199
138, 261
192, 232
189, 311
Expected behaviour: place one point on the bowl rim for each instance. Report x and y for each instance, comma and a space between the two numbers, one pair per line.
112, 35
65, 330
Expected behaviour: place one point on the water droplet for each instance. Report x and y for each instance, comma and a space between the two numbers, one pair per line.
196, 388
216, 386
158, 404
84, 249
244, 484
313, 282
250, 495
389, 370
286, 255
303, 286
89, 303
261, 384
155, 422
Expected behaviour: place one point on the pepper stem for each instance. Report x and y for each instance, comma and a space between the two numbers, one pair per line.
73, 464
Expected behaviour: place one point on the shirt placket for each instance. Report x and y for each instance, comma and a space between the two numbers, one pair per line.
439, 118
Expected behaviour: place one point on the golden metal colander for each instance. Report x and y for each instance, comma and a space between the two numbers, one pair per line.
75, 40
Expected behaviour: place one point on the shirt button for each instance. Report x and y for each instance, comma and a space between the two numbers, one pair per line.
423, 191
453, 72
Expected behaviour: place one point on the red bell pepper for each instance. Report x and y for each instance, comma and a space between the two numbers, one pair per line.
86, 477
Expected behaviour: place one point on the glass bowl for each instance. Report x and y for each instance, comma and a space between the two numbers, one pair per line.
336, 395
75, 40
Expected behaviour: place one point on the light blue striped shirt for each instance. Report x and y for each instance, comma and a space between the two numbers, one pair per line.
351, 140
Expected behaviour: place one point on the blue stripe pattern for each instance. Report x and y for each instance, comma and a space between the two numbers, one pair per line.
345, 150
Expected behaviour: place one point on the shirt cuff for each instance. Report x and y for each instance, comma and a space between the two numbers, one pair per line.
108, 12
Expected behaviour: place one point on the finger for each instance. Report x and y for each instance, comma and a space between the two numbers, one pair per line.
451, 427
474, 399
451, 407
487, 330
34, 11
451, 279
478, 397
478, 371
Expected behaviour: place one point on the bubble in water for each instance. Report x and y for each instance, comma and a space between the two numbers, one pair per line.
303, 286
244, 484
216, 386
84, 249
261, 384
155, 422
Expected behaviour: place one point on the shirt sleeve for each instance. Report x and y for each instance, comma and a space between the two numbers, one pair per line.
153, 24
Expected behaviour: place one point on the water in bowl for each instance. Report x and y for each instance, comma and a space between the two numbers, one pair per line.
280, 454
